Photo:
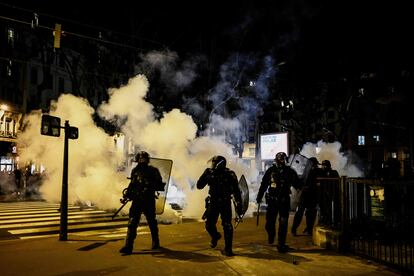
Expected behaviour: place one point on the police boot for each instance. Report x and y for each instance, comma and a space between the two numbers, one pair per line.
296, 222
155, 239
153, 225
129, 243
214, 240
282, 248
228, 242
155, 243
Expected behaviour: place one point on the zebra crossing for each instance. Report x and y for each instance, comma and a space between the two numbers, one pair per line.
36, 219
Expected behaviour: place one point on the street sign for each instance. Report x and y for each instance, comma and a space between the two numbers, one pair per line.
50, 126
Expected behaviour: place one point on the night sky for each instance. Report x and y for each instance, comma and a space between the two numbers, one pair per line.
315, 39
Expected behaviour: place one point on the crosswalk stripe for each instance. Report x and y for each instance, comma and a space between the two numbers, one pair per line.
37, 211
32, 223
57, 214
11, 221
71, 227
25, 220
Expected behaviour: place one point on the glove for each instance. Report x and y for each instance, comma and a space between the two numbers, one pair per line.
209, 173
239, 209
124, 200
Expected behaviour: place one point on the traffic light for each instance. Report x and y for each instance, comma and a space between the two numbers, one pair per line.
50, 126
73, 133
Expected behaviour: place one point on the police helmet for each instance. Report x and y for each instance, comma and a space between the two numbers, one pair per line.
326, 163
314, 161
280, 156
142, 157
218, 162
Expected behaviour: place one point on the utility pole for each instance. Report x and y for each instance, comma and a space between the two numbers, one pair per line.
51, 127
63, 234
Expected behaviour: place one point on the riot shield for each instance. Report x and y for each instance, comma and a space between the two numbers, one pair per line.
164, 166
244, 193
244, 190
300, 164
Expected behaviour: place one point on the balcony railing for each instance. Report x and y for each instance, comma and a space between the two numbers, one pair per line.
7, 134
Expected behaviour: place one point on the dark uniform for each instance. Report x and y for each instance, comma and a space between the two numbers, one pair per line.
308, 200
327, 170
223, 185
329, 195
145, 181
277, 181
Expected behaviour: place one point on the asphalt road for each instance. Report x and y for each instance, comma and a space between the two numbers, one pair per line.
184, 251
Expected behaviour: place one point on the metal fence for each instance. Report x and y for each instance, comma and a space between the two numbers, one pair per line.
375, 217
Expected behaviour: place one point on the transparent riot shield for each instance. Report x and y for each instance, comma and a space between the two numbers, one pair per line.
164, 166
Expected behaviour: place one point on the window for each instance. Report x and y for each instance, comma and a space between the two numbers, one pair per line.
11, 34
361, 140
376, 138
9, 68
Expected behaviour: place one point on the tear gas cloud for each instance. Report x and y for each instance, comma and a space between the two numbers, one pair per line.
332, 152
173, 74
92, 163
93, 160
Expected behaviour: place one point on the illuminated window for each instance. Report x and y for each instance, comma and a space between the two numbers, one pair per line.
376, 138
361, 140
9, 68
393, 154
11, 34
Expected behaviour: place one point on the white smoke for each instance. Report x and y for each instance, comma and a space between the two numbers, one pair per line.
93, 162
332, 152
173, 74
172, 137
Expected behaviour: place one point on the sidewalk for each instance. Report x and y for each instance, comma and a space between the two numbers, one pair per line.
184, 251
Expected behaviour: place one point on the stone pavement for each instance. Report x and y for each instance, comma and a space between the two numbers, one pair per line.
184, 251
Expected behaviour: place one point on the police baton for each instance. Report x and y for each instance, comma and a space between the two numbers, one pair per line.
258, 214
120, 208
238, 218
123, 200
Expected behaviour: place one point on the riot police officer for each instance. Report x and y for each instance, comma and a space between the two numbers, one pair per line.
328, 194
277, 181
145, 181
327, 170
308, 200
223, 185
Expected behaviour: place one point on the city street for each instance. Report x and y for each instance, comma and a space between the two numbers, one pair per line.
184, 250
